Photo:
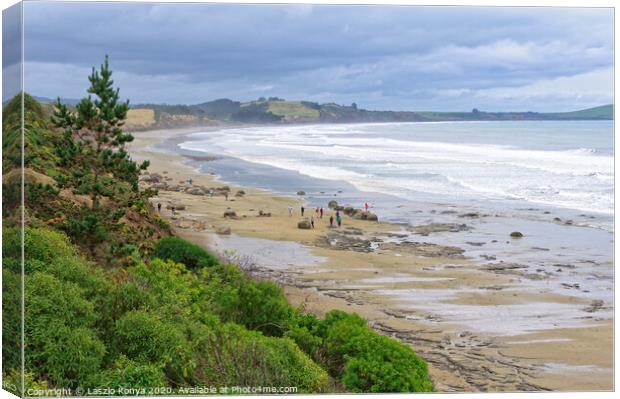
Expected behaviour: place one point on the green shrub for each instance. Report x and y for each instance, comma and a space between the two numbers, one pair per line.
304, 330
48, 300
172, 289
381, 364
69, 356
129, 374
258, 305
143, 337
232, 356
11, 319
369, 362
59, 339
181, 251
40, 244
12, 382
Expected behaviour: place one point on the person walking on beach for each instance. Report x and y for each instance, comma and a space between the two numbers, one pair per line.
302, 211
339, 220
366, 206
159, 207
331, 221
290, 211
173, 210
226, 195
312, 221
190, 181
321, 212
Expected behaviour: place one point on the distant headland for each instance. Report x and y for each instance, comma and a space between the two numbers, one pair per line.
274, 110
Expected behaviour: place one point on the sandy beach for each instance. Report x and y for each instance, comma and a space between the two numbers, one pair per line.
481, 326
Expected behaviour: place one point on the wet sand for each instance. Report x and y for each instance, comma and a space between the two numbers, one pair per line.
481, 326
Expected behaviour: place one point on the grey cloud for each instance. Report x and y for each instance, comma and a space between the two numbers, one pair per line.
378, 56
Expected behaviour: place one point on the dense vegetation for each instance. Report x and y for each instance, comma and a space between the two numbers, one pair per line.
112, 300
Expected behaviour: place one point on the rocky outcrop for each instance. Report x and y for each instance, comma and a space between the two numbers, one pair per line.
424, 249
439, 228
344, 242
301, 192
332, 204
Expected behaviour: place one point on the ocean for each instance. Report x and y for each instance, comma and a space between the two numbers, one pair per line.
501, 166
553, 181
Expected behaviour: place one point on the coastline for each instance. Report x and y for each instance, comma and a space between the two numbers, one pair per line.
400, 292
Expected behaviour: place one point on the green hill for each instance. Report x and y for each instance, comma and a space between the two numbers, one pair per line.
604, 112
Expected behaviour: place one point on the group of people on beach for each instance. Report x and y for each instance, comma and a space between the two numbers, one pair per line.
319, 212
334, 219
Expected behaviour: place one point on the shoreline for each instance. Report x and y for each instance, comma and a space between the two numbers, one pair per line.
384, 284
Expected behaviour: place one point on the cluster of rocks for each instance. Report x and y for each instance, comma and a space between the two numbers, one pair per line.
355, 213
360, 214
163, 183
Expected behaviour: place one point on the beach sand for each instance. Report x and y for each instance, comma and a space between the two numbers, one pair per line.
479, 328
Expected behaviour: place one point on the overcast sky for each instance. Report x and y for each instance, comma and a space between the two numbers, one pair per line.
381, 57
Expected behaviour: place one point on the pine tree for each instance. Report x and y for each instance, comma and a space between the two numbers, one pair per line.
96, 162
95, 141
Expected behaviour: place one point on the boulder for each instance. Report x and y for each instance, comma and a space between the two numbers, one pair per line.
364, 215
160, 186
156, 177
516, 234
176, 187
240, 193
195, 191
223, 230
151, 178
348, 210
304, 224
332, 204
229, 213
372, 217
301, 192
264, 214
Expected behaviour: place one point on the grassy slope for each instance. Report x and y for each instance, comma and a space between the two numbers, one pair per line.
293, 110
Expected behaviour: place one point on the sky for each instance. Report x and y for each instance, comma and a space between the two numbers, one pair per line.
380, 57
